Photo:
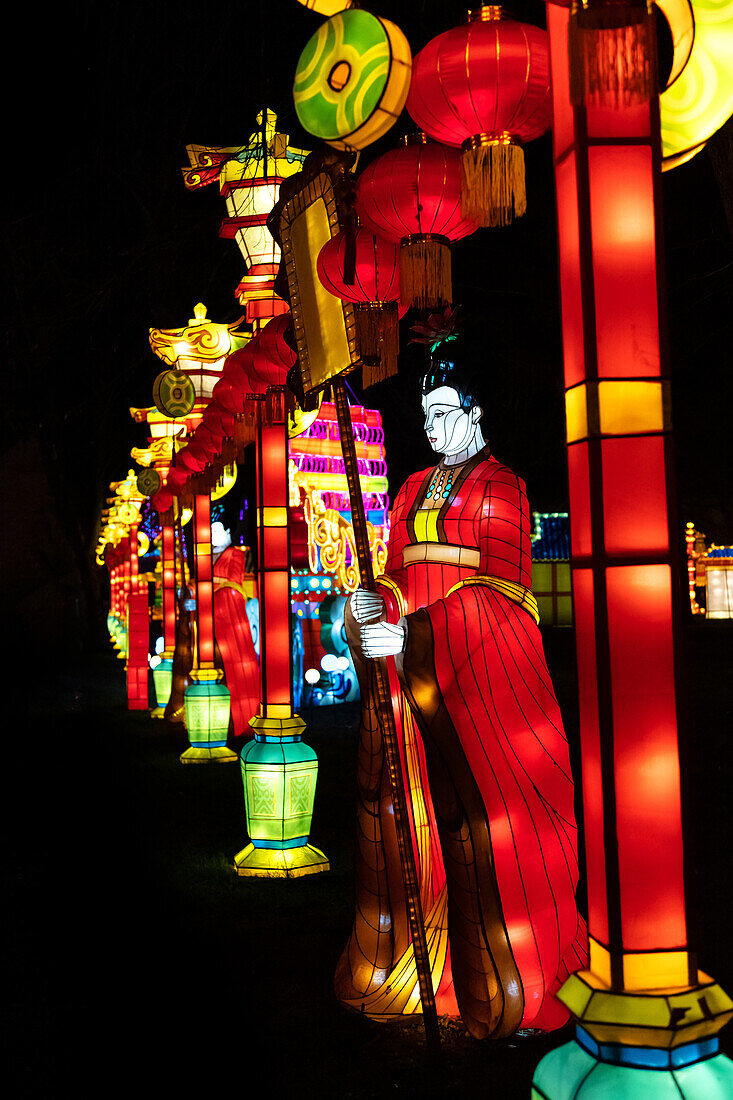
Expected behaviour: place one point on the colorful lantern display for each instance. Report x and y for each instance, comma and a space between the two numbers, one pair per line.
352, 79
485, 86
411, 196
709, 568
364, 269
641, 1005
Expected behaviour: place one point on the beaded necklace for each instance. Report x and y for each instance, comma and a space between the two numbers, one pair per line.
441, 484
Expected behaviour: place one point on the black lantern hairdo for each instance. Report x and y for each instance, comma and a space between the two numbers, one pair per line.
446, 372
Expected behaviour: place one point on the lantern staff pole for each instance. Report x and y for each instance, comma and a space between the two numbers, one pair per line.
389, 733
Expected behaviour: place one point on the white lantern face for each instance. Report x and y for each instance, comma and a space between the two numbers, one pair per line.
252, 198
203, 373
257, 245
719, 599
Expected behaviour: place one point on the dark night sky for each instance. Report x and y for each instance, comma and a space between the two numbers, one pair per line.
102, 241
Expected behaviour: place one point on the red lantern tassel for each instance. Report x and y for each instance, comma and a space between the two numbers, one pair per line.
378, 335
493, 191
611, 51
244, 430
425, 272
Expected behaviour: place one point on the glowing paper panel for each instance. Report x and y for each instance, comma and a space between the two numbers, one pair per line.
646, 757
324, 325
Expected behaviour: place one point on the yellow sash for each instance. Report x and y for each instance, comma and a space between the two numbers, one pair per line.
516, 592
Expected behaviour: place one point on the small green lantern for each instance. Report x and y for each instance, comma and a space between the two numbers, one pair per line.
207, 704
279, 774
163, 681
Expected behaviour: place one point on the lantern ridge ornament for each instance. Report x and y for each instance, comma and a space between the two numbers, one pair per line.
485, 86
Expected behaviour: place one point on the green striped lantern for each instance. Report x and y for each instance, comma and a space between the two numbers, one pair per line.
352, 79
174, 393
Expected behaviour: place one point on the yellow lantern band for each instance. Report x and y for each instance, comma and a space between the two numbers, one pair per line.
642, 970
272, 517
618, 407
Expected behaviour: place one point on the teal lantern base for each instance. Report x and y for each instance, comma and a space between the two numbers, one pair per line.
207, 704
279, 775
586, 1070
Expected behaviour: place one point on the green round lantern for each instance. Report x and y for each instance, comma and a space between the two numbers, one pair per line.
174, 393
352, 79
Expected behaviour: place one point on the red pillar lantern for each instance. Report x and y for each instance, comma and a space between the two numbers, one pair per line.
485, 86
626, 585
412, 197
374, 288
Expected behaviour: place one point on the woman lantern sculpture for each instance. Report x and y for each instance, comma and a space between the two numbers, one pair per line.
488, 778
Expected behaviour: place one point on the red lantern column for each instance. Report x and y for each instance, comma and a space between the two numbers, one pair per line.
207, 700
279, 771
138, 634
626, 589
169, 590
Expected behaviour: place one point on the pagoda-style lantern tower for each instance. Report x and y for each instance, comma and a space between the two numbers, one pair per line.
647, 1018
278, 770
199, 352
156, 461
249, 178
129, 601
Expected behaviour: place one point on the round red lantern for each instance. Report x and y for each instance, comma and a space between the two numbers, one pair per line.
412, 196
485, 86
374, 270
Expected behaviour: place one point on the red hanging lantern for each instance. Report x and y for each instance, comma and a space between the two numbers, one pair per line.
411, 196
375, 292
486, 87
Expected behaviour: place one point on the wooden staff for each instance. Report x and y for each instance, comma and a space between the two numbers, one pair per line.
388, 731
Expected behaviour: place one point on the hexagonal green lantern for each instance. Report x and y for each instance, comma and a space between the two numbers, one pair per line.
163, 681
279, 774
207, 704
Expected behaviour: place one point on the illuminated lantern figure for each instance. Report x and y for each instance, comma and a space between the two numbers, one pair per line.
488, 774
374, 287
642, 1004
352, 79
411, 196
486, 87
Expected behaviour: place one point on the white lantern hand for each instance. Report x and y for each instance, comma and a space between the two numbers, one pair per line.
382, 639
366, 606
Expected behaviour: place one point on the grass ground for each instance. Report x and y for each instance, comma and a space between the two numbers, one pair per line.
137, 960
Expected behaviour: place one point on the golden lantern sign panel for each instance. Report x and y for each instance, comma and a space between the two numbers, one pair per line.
325, 327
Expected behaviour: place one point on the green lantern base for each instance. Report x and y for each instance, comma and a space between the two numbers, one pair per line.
572, 1073
280, 862
157, 712
216, 754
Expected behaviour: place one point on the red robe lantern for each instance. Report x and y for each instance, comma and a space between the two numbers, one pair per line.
486, 87
412, 196
375, 292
